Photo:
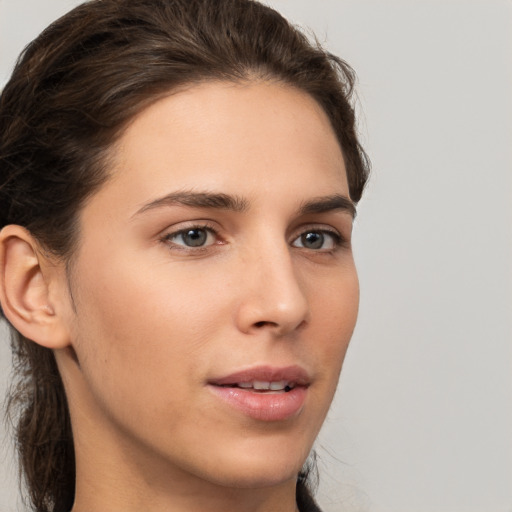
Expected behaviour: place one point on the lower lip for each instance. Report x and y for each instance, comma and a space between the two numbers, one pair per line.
263, 406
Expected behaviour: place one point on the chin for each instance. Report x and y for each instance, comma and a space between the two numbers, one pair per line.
260, 468
259, 477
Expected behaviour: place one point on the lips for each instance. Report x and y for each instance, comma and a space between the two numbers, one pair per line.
264, 393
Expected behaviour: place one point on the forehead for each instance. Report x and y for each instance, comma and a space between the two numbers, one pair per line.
242, 138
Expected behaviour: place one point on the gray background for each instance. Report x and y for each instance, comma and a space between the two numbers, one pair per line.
422, 421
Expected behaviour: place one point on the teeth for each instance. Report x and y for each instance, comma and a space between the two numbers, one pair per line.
274, 386
263, 385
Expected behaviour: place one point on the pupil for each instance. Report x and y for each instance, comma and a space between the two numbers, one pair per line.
313, 240
194, 237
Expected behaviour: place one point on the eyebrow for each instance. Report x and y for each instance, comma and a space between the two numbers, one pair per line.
328, 204
238, 204
198, 200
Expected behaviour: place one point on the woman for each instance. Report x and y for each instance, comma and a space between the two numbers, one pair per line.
178, 181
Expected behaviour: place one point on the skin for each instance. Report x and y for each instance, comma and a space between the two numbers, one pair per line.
143, 322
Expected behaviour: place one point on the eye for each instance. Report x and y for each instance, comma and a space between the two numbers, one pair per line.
192, 237
317, 240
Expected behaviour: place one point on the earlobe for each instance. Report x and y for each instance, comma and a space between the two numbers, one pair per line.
25, 280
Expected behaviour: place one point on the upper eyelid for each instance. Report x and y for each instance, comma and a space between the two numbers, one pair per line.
324, 228
190, 228
187, 225
335, 234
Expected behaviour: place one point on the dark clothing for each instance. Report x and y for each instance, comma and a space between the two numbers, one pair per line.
310, 507
305, 501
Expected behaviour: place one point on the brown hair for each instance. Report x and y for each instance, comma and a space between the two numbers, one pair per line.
72, 93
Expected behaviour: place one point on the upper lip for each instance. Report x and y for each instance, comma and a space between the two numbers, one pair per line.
296, 374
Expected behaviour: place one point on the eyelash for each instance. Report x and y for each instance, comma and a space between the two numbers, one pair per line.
168, 238
338, 240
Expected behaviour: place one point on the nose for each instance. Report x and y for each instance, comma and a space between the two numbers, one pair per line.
271, 296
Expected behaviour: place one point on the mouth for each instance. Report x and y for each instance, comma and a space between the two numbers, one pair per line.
264, 393
260, 386
265, 378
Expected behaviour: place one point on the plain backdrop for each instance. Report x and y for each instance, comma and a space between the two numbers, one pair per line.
422, 421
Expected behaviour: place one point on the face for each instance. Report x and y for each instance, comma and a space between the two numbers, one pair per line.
214, 289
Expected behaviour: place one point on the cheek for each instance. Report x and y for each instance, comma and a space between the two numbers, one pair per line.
334, 315
149, 319
142, 341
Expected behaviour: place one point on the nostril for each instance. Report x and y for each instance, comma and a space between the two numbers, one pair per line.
263, 323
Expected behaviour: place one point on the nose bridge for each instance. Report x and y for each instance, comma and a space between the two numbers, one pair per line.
272, 295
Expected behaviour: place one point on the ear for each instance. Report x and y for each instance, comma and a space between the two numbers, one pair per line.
27, 280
